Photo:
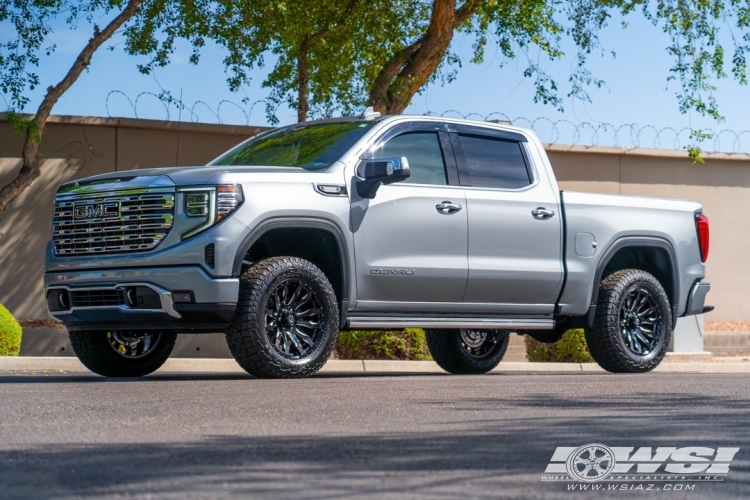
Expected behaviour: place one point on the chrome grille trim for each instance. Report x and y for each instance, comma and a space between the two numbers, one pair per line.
145, 217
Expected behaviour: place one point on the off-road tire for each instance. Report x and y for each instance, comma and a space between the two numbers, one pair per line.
96, 354
605, 340
447, 351
246, 335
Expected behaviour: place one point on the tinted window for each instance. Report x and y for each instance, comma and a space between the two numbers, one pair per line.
312, 147
494, 163
422, 150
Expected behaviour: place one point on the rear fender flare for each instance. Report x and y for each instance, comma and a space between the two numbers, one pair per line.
637, 241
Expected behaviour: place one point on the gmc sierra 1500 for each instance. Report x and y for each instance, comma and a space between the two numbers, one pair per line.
368, 222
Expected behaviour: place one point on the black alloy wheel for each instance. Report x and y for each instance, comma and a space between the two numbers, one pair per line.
122, 353
633, 323
641, 321
294, 318
286, 323
133, 345
467, 351
481, 344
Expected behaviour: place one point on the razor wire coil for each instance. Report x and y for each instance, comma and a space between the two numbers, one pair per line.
562, 131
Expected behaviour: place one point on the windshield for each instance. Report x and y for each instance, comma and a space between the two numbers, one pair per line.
312, 147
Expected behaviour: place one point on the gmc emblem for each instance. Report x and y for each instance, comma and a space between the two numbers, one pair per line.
96, 210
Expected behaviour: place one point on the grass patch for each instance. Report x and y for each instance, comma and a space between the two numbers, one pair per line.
409, 344
571, 348
10, 334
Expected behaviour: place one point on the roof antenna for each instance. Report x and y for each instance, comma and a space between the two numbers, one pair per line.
179, 119
370, 113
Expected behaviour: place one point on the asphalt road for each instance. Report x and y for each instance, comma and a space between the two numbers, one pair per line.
375, 437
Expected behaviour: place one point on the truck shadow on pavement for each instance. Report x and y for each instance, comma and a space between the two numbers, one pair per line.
502, 454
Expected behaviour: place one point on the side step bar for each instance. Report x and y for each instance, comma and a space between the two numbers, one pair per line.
478, 323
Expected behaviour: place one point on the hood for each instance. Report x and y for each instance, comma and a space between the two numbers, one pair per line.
156, 177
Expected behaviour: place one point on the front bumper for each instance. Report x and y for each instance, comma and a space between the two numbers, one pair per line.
141, 298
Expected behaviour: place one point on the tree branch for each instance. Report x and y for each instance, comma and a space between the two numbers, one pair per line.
303, 75
410, 68
30, 170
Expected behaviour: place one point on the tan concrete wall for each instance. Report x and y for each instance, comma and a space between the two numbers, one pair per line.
76, 147
722, 185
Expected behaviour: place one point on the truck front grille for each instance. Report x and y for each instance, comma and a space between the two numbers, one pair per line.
114, 222
98, 298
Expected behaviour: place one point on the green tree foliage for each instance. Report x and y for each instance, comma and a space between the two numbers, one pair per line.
338, 55
409, 344
571, 348
10, 334
19, 56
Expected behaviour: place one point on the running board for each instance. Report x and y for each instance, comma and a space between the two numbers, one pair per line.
478, 323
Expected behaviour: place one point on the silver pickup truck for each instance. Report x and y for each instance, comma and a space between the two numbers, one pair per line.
369, 222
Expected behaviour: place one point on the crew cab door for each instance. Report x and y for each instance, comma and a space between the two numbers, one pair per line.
515, 225
410, 240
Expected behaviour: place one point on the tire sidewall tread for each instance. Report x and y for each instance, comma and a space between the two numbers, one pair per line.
93, 350
447, 351
246, 336
604, 339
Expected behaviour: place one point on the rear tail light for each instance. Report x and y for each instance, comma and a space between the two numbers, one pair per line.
701, 223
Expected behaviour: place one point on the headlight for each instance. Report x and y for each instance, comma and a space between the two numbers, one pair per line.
215, 203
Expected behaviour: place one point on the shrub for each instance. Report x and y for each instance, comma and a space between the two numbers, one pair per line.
10, 334
399, 344
571, 348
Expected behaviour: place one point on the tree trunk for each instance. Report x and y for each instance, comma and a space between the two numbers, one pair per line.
410, 68
303, 81
30, 170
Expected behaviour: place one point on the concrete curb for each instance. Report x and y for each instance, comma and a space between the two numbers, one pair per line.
186, 365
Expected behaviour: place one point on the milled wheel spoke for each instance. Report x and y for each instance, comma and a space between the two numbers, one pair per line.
647, 311
287, 343
296, 343
303, 300
293, 316
633, 300
641, 338
277, 341
295, 294
305, 337
633, 343
308, 313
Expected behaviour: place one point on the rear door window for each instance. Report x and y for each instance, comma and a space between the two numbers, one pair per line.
494, 163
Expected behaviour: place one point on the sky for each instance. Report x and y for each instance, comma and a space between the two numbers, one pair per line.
636, 98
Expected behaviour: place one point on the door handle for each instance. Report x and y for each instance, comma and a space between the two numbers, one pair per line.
542, 213
448, 208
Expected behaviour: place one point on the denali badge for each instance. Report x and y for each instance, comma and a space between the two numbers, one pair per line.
409, 272
95, 210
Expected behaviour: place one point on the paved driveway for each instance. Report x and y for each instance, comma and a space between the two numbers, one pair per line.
422, 436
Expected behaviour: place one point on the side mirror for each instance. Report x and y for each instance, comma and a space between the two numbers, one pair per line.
380, 171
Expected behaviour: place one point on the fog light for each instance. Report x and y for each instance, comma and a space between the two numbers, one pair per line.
58, 300
62, 299
182, 296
